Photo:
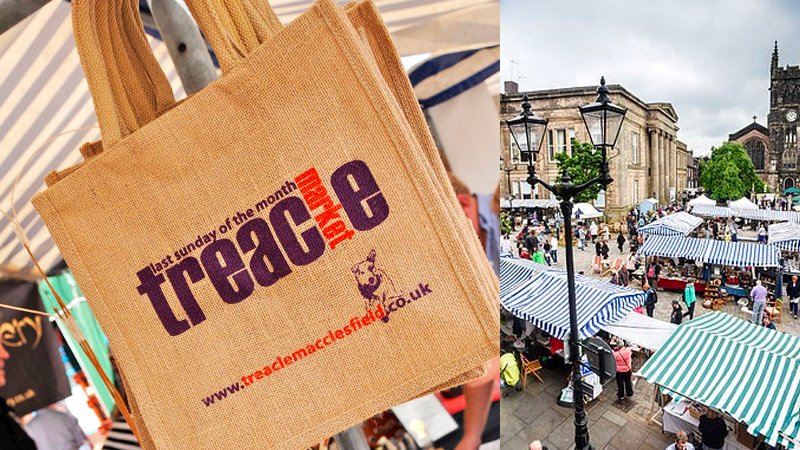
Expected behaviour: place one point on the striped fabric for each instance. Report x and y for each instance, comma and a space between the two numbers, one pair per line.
769, 215
443, 77
785, 235
741, 254
710, 211
735, 254
43, 93
120, 437
678, 224
743, 369
674, 247
538, 294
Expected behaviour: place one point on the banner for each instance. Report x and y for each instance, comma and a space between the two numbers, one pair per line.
34, 370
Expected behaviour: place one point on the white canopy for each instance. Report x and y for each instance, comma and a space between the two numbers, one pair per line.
743, 203
587, 211
530, 203
702, 200
785, 235
641, 330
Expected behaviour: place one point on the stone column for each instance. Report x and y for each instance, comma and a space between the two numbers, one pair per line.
652, 186
662, 163
671, 163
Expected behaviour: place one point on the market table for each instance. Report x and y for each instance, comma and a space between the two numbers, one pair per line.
677, 418
679, 284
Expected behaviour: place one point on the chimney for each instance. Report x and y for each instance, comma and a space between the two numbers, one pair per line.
511, 87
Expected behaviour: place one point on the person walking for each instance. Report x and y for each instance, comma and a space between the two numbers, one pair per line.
593, 231
651, 300
762, 233
531, 241
759, 296
604, 249
547, 248
622, 355
598, 248
620, 241
713, 430
582, 238
538, 256
793, 292
690, 298
554, 248
677, 314
652, 273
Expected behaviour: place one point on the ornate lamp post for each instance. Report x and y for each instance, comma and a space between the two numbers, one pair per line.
603, 120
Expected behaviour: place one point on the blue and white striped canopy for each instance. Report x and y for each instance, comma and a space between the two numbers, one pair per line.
735, 254
745, 370
711, 211
741, 254
769, 215
678, 224
538, 294
674, 247
785, 235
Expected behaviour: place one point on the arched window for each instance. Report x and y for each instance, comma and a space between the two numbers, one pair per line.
788, 183
790, 158
755, 150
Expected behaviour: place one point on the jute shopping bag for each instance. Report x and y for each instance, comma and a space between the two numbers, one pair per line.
188, 182
247, 23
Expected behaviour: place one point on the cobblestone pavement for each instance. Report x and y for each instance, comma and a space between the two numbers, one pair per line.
533, 414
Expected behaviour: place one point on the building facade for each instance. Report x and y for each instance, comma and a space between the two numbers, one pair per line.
647, 161
782, 122
755, 139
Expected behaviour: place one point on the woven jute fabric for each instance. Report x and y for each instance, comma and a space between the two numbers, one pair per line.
306, 98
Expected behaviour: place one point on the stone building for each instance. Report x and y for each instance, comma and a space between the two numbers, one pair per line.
755, 139
648, 159
782, 121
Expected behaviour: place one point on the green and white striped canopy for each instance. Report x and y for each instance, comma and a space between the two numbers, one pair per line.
747, 371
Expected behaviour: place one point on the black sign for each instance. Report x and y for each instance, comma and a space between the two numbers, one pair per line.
35, 375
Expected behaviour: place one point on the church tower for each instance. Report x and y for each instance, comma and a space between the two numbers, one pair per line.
784, 110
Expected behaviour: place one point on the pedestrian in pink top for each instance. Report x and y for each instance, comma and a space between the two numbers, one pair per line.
622, 355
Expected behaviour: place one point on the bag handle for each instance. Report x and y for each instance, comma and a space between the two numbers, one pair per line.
234, 27
127, 84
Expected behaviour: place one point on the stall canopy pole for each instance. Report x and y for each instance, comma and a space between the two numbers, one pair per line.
186, 45
13, 12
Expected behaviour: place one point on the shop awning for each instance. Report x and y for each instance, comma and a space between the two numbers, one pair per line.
735, 254
641, 330
710, 211
530, 203
678, 224
785, 236
745, 370
538, 293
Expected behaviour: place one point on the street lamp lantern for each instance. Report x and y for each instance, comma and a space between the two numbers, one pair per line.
603, 120
527, 130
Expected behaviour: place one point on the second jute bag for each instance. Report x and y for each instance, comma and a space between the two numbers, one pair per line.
270, 271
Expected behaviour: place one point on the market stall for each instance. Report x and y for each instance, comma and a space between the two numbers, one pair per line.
710, 211
641, 330
586, 211
529, 203
743, 203
702, 200
678, 224
706, 259
744, 370
537, 296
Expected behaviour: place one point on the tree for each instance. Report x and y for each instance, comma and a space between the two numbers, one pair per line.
729, 174
582, 165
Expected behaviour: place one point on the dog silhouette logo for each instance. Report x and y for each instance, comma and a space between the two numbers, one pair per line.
373, 283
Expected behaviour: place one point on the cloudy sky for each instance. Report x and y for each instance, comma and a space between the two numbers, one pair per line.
709, 58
